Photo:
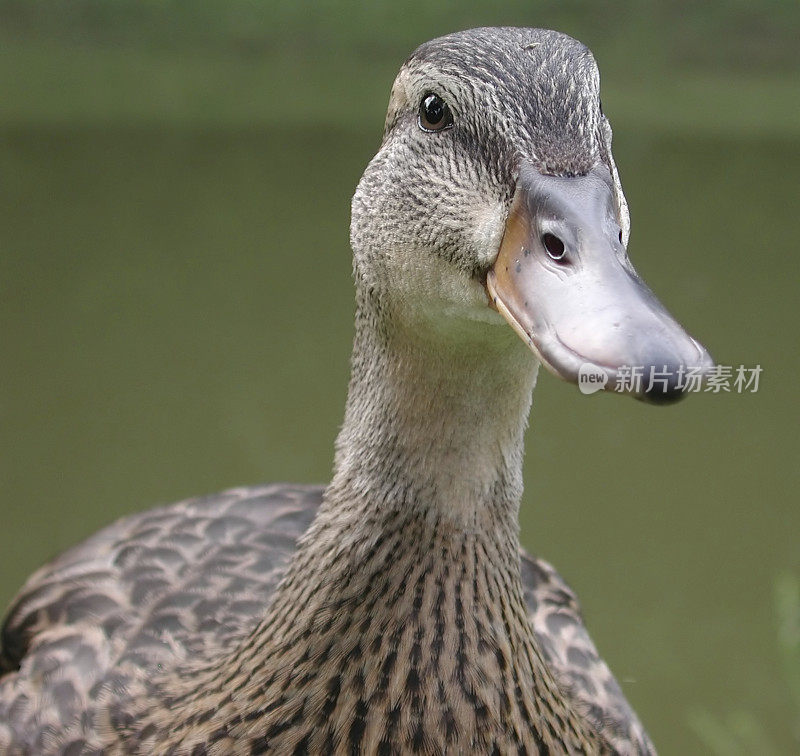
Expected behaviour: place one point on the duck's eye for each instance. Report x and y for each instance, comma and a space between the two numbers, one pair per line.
434, 114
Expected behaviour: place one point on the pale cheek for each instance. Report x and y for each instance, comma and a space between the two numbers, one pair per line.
425, 280
436, 290
426, 284
488, 225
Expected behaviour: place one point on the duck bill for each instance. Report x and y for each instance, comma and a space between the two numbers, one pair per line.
563, 281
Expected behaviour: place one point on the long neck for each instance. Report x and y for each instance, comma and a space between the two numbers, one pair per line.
400, 625
401, 621
435, 419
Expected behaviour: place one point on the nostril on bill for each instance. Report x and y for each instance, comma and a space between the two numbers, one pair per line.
554, 246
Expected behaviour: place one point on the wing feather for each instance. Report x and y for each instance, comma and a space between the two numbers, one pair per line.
557, 622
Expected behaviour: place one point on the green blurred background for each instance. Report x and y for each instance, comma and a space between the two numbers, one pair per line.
176, 303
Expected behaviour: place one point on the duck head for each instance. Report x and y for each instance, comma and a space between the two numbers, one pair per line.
494, 199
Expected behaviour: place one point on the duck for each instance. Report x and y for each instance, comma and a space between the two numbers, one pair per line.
392, 611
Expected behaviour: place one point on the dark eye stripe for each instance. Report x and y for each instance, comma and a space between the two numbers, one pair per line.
434, 113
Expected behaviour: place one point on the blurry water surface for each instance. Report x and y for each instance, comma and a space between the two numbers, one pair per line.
176, 313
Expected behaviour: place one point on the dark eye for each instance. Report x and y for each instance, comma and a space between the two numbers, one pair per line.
434, 115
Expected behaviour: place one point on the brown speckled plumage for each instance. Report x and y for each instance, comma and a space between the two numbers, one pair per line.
392, 612
191, 580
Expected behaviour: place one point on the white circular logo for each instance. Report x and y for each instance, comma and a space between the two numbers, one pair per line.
591, 378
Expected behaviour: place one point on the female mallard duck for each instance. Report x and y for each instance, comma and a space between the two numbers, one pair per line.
392, 611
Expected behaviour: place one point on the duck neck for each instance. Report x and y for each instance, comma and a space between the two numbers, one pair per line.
435, 418
400, 625
401, 619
